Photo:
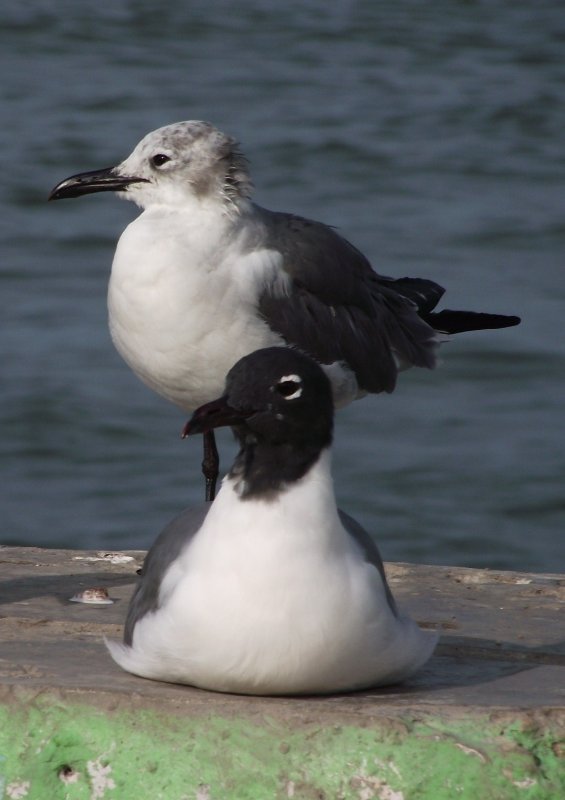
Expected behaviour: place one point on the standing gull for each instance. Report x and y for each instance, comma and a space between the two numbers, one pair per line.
205, 276
271, 589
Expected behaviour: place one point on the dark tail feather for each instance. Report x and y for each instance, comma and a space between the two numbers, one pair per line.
425, 294
458, 321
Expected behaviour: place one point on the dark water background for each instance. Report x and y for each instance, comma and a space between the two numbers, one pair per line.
431, 134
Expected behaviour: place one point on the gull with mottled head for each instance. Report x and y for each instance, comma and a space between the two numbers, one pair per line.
205, 276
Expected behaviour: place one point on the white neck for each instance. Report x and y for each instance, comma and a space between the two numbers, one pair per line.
305, 509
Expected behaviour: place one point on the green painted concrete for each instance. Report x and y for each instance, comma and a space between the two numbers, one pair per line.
484, 720
56, 749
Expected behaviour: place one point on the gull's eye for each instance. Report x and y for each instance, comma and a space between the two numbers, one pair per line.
159, 159
289, 386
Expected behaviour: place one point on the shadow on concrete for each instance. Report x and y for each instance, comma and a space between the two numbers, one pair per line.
60, 587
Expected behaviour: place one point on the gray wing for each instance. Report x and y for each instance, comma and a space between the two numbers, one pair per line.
164, 551
338, 309
371, 551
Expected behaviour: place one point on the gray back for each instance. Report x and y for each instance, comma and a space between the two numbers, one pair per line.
371, 551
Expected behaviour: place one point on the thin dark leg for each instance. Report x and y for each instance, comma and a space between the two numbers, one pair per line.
210, 464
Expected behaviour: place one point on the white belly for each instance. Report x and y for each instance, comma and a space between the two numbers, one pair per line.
274, 597
179, 315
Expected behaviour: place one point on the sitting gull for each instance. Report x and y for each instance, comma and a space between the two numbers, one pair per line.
270, 589
205, 276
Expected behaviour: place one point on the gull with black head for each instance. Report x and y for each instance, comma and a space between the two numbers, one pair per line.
270, 589
205, 276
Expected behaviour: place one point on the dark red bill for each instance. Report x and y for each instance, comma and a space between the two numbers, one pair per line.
216, 414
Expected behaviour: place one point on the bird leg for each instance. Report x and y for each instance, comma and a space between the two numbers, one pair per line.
210, 464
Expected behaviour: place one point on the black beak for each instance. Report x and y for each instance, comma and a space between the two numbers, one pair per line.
99, 180
216, 414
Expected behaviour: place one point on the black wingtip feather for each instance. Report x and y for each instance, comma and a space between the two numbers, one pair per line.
448, 321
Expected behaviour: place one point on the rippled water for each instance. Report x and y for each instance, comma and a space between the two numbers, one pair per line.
431, 135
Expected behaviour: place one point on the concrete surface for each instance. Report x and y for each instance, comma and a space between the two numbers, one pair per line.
484, 719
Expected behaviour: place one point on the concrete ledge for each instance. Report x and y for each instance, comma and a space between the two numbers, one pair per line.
485, 719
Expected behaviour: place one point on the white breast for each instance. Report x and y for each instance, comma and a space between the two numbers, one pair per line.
182, 300
274, 597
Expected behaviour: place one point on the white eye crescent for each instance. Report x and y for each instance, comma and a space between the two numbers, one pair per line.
290, 386
159, 159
